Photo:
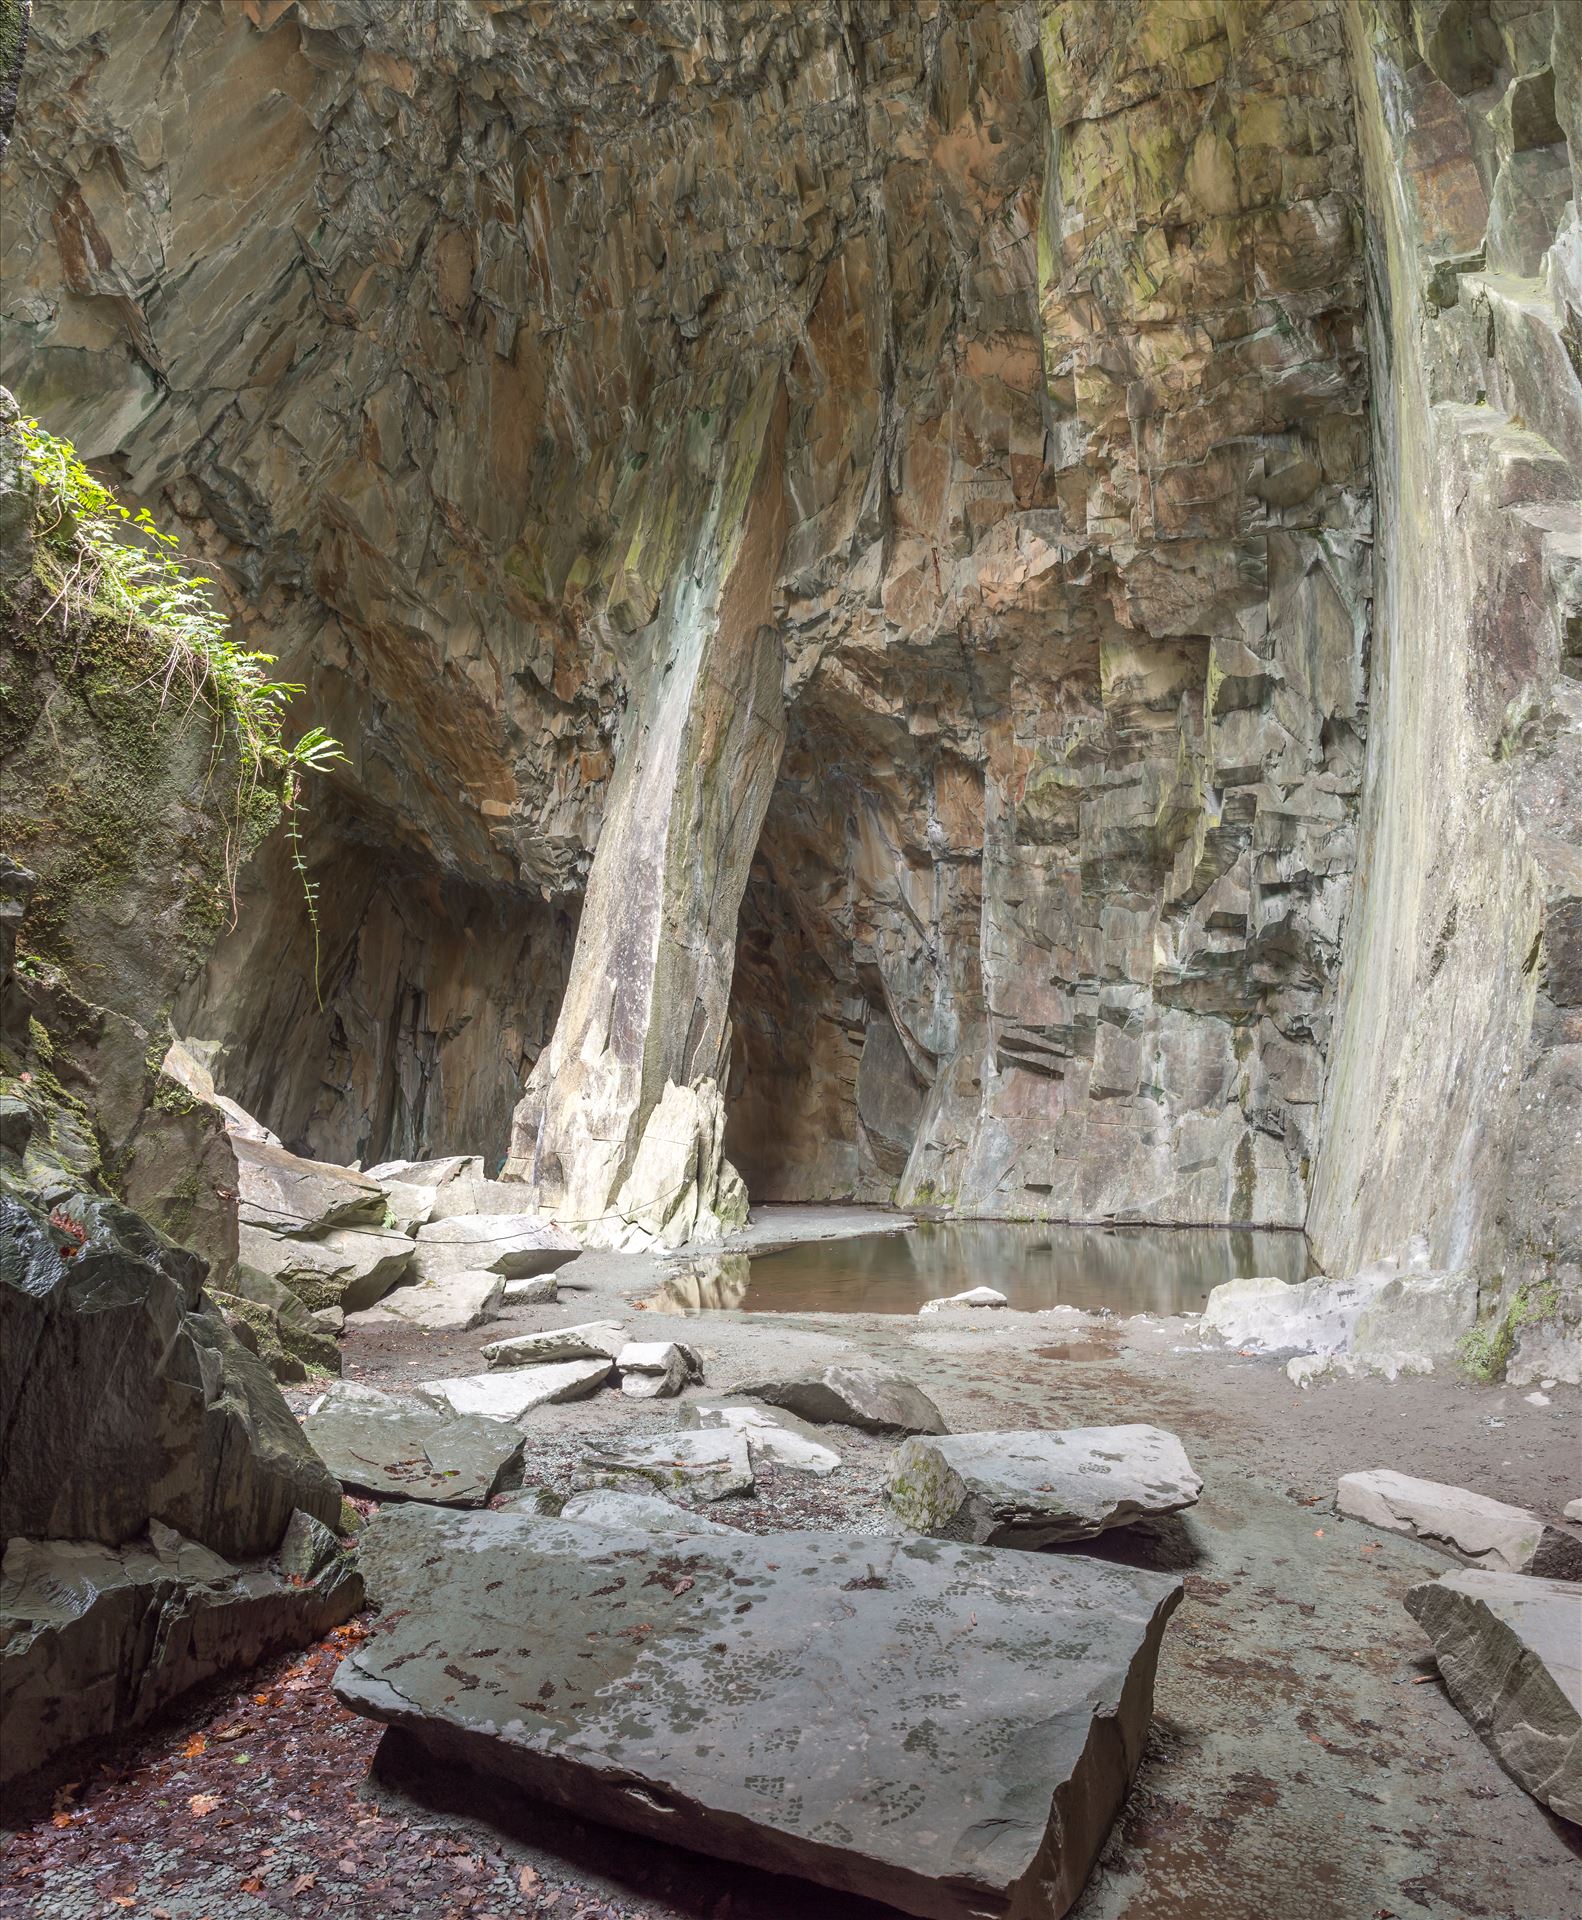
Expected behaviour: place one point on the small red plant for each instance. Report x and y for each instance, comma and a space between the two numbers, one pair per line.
62, 1222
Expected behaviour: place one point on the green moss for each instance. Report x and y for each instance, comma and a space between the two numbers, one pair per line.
1485, 1352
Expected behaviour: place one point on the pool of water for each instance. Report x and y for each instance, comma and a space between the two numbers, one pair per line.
1158, 1270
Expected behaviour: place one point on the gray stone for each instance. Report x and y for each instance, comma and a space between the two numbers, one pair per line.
516, 1246
409, 1206
589, 1340
1573, 1510
771, 1433
536, 1291
307, 1548
391, 1448
16, 1124
455, 1302
1509, 1649
874, 1398
1040, 1489
801, 1703
1480, 1529
290, 1340
349, 1268
470, 1193
703, 1466
285, 1194
507, 1395
973, 1297
429, 1173
95, 1640
125, 1398
636, 1513
656, 1369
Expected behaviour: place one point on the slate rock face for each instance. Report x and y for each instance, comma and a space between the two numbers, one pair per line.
124, 1397
801, 1703
96, 1639
1040, 1489
877, 1399
286, 1194
1510, 1652
770, 1432
589, 1340
397, 1449
701, 1466
347, 1267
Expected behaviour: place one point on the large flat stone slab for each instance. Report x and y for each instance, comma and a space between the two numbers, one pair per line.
699, 1466
391, 1448
454, 1303
1509, 1649
287, 1194
1487, 1531
590, 1340
771, 1433
1040, 1489
877, 1399
515, 1246
348, 1267
948, 1729
507, 1395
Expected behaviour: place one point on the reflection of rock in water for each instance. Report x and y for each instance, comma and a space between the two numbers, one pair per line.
714, 1281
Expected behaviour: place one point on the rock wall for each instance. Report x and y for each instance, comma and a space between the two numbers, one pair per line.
1455, 1087
1042, 326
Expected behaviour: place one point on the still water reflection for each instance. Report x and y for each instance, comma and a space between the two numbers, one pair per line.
1159, 1270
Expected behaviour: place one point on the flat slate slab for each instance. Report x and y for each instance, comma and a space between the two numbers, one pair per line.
1488, 1531
945, 1728
516, 1246
705, 1466
877, 1399
591, 1340
389, 1448
508, 1394
1040, 1489
1510, 1652
771, 1433
454, 1303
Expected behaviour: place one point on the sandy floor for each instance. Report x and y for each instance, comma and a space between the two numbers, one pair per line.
1305, 1762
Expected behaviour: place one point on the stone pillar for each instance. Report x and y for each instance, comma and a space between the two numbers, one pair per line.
619, 1128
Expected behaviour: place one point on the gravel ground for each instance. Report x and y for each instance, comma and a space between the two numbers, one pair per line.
1305, 1762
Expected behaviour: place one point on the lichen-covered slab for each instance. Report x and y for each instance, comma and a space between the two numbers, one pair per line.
1040, 1489
877, 1399
1510, 1651
948, 1729
395, 1449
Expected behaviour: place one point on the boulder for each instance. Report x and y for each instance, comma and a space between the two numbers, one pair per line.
700, 1466
1040, 1489
392, 1448
1482, 1530
1412, 1320
785, 1705
349, 1268
125, 1398
407, 1207
1384, 1319
429, 1173
509, 1394
470, 1193
771, 1433
537, 1290
454, 1303
656, 1369
1509, 1649
874, 1398
272, 1322
96, 1639
1274, 1316
591, 1340
304, 1198
973, 1297
516, 1246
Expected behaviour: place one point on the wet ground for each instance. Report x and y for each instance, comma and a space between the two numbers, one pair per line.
1305, 1762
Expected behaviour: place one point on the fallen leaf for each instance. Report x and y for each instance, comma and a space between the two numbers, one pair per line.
527, 1880
683, 1585
203, 1804
1318, 1533
302, 1883
252, 1884
194, 1747
60, 1819
123, 1899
